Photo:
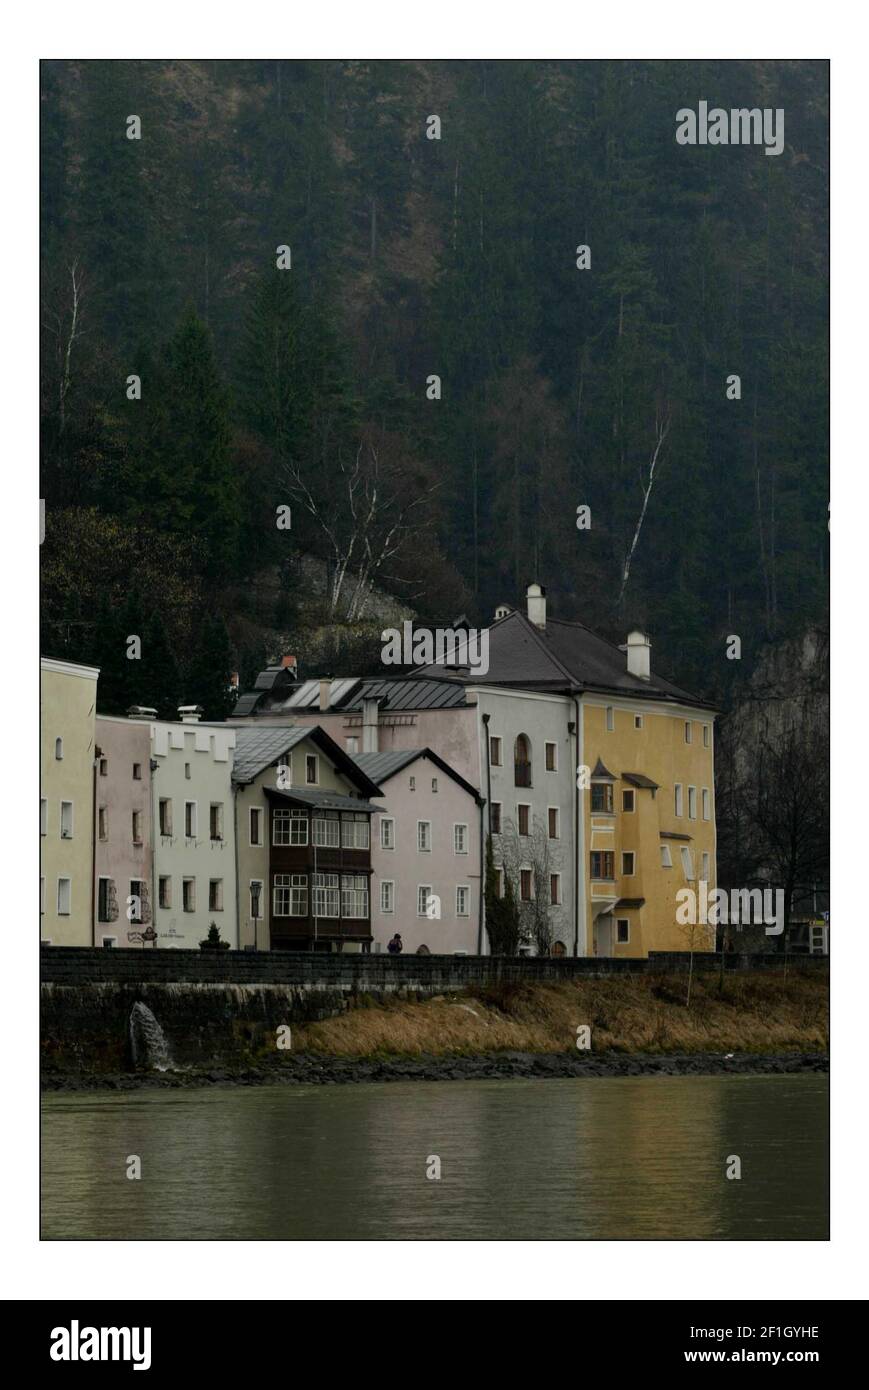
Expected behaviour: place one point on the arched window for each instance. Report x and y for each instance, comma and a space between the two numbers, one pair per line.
522, 761
58, 748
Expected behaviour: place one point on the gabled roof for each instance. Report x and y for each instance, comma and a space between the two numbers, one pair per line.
382, 766
259, 746
603, 772
316, 799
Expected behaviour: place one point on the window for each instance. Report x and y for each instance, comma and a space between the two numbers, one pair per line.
627, 862
602, 863
355, 831
290, 895
628, 800
187, 771
460, 839
58, 753
553, 817
551, 757
495, 750
354, 896
312, 773
66, 820
256, 898
678, 798
137, 772
137, 827
555, 889
463, 901
526, 885
666, 857
704, 866
692, 803
434, 784
190, 819
286, 760
705, 735
523, 814
423, 893
326, 895
104, 767
164, 891
610, 719
299, 895
687, 730
387, 895
495, 818
289, 827
352, 744
704, 801
188, 894
411, 782
137, 894
215, 820
387, 832
423, 836
43, 816
326, 831
102, 823
256, 825
41, 895
281, 895
687, 863
602, 796
522, 761
64, 896
215, 895
165, 816
104, 899
638, 721
623, 931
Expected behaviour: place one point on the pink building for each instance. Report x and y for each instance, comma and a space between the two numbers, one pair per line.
425, 854
122, 832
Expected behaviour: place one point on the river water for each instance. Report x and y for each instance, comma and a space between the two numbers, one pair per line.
637, 1158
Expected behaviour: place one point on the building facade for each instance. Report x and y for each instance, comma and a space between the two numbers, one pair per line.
303, 831
426, 855
123, 886
66, 811
194, 875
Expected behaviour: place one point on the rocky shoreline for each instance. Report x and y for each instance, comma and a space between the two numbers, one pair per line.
318, 1070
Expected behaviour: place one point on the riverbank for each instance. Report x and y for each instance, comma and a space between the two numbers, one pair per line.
752, 1024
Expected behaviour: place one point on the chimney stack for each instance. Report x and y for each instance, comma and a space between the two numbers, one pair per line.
325, 693
536, 599
370, 723
638, 648
190, 714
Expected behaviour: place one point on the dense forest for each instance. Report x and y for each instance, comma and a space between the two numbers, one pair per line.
430, 382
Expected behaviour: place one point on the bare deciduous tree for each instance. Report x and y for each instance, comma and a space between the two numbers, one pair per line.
63, 320
538, 917
662, 429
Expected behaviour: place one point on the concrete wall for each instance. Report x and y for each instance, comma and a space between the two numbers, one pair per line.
68, 709
119, 859
206, 750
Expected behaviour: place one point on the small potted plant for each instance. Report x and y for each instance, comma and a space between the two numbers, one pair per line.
213, 941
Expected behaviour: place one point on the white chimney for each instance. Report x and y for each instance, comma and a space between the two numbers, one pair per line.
370, 731
536, 598
638, 648
325, 692
190, 714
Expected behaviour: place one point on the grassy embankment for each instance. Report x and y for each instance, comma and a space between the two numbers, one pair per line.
757, 1013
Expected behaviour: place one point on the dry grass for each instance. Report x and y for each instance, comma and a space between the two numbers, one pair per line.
758, 1013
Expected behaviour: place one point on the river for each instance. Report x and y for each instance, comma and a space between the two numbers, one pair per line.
637, 1158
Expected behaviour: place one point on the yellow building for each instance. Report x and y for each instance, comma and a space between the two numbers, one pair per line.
68, 710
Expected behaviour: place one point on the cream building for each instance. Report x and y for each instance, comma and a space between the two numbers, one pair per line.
66, 811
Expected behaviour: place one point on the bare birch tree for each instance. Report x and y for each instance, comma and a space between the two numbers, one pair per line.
662, 429
63, 321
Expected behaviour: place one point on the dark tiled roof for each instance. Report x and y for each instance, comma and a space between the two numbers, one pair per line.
261, 745
409, 693
381, 766
602, 771
324, 800
672, 835
639, 779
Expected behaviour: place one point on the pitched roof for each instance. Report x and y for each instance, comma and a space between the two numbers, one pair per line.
602, 771
316, 798
258, 747
381, 766
396, 693
639, 779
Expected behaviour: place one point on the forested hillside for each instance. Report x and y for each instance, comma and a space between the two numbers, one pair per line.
413, 257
